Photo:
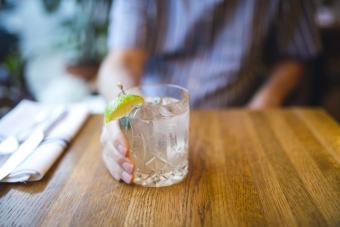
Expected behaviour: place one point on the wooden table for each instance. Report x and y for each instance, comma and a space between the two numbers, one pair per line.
271, 168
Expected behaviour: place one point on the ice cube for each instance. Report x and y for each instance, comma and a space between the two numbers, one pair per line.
148, 111
157, 108
165, 111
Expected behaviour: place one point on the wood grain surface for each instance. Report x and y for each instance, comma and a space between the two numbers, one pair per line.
247, 168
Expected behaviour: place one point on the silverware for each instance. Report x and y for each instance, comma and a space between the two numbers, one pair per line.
11, 143
31, 143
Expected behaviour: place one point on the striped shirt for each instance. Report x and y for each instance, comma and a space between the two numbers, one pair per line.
217, 49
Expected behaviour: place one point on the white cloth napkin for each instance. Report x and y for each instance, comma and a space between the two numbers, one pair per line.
34, 167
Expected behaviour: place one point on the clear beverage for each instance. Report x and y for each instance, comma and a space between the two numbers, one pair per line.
157, 132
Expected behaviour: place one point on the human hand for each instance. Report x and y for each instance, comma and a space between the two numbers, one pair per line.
281, 82
263, 101
115, 152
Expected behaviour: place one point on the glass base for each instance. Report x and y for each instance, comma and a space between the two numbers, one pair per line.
161, 179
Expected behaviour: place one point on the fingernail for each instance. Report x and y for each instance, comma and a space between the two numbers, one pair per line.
127, 166
121, 149
127, 178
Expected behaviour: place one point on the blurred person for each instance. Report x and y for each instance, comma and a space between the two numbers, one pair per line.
227, 53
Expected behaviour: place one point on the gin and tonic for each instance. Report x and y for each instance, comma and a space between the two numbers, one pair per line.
157, 133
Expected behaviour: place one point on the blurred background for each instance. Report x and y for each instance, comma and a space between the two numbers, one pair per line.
50, 51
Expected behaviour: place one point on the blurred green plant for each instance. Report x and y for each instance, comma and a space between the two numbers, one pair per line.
84, 33
51, 5
12, 83
14, 65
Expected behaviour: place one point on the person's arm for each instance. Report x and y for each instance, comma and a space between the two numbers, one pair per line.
125, 67
127, 41
282, 81
295, 36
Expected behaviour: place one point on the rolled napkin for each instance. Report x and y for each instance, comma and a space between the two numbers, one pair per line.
35, 166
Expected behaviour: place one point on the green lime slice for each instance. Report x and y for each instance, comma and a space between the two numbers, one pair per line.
121, 106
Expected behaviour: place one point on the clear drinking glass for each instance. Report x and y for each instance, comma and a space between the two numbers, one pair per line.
157, 132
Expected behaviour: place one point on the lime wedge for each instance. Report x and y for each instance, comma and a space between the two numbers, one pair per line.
121, 106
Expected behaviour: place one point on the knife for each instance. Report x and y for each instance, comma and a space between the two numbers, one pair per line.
32, 142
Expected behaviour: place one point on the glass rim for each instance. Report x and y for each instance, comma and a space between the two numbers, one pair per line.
185, 92
160, 85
